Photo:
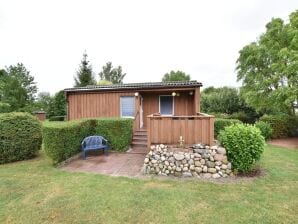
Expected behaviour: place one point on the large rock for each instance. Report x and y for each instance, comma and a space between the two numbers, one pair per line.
187, 156
198, 169
146, 160
171, 159
179, 156
200, 151
157, 157
178, 169
216, 175
205, 155
153, 161
192, 167
221, 150
198, 163
229, 166
186, 174
214, 147
207, 175
210, 164
219, 157
190, 162
185, 168
197, 155
211, 170
224, 166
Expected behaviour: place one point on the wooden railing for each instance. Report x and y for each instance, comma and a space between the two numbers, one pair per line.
168, 129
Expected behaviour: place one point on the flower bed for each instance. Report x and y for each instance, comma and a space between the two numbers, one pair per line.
200, 161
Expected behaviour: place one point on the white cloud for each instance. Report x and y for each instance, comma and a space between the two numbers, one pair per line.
147, 38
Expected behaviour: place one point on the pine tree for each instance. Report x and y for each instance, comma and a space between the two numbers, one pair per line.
84, 76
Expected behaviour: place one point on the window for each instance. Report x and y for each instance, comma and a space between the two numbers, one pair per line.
166, 105
127, 106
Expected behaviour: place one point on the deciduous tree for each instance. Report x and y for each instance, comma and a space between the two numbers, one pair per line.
113, 75
175, 76
268, 68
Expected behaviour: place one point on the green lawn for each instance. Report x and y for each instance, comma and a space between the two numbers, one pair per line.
35, 192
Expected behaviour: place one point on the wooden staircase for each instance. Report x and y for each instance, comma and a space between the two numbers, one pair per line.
139, 140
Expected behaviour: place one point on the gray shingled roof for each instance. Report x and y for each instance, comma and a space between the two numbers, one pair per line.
139, 86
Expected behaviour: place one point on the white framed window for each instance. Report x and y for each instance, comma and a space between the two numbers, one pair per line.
127, 106
166, 105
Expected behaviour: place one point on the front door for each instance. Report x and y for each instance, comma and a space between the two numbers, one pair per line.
141, 112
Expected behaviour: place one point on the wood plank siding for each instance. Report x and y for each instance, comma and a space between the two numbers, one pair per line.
193, 129
97, 104
107, 104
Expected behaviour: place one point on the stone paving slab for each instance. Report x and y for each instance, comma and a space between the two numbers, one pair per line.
116, 164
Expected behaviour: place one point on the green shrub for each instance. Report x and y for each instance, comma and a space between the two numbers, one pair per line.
242, 117
221, 123
282, 125
265, 129
63, 139
244, 144
20, 136
57, 118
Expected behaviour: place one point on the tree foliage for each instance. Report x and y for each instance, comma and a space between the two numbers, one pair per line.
268, 68
175, 76
113, 75
57, 106
17, 87
84, 76
222, 100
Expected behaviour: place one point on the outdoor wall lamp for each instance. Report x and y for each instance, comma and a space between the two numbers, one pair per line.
136, 94
191, 93
173, 94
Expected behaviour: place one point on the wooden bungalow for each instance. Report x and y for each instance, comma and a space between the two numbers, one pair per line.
163, 112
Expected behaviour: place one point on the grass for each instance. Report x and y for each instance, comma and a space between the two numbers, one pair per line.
35, 192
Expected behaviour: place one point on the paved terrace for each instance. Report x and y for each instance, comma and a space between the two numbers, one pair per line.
117, 164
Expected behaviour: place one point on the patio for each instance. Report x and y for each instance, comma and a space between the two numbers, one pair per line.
127, 164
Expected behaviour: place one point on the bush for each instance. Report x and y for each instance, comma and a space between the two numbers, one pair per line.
20, 137
242, 117
221, 123
57, 118
265, 129
282, 125
244, 144
63, 139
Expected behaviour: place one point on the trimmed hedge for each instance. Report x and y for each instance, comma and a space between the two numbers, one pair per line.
244, 144
57, 118
221, 123
63, 139
282, 125
20, 137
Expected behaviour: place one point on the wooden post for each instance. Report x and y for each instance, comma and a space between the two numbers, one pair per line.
211, 130
148, 132
136, 124
197, 100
